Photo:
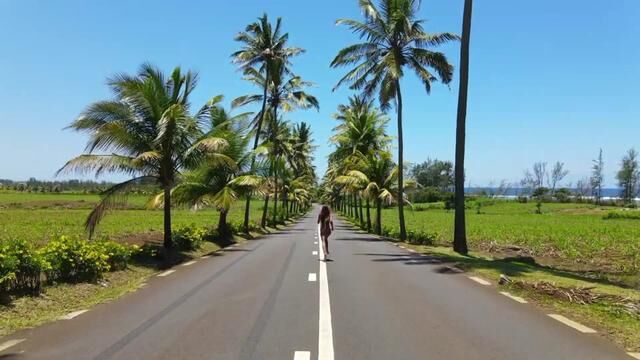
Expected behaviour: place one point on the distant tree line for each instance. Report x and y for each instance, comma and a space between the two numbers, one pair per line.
34, 185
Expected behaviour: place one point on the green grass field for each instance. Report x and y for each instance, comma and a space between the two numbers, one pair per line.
39, 217
576, 233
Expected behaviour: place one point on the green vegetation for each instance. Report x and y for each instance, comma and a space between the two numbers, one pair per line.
567, 235
394, 41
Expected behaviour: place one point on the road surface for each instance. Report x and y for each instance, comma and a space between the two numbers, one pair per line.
273, 299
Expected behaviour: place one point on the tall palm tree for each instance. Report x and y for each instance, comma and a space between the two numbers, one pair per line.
146, 132
220, 184
286, 92
394, 40
263, 44
460, 233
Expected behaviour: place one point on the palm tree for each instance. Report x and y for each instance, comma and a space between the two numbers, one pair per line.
263, 45
286, 92
145, 132
377, 177
394, 40
460, 233
362, 129
220, 184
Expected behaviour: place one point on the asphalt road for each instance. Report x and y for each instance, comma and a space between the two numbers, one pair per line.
273, 299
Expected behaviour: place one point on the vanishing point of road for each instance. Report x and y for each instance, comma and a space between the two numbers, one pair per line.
273, 299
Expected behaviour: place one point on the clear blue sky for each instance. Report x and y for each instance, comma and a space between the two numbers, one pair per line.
550, 80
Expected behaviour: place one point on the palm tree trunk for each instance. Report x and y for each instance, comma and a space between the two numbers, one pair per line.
263, 222
460, 235
358, 197
378, 216
247, 206
223, 227
275, 194
368, 217
403, 230
168, 244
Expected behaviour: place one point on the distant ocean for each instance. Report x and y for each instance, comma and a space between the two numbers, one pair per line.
607, 193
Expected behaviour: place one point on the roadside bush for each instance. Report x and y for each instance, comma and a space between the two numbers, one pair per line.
119, 254
8, 264
418, 237
189, 237
415, 237
20, 266
630, 215
427, 195
73, 259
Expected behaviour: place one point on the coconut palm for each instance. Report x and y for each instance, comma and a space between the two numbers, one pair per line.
393, 40
377, 178
263, 44
460, 233
146, 132
362, 129
220, 184
286, 92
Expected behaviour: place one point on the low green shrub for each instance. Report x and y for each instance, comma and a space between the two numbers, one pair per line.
189, 237
119, 254
74, 259
21, 266
416, 237
628, 215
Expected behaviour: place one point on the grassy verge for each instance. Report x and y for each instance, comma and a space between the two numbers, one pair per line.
57, 300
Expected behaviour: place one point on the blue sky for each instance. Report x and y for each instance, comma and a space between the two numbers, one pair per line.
550, 80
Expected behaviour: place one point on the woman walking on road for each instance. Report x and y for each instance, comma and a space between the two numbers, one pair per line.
326, 227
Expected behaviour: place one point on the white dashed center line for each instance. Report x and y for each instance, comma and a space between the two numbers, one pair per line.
512, 297
302, 355
479, 280
314, 253
7, 344
325, 330
312, 277
70, 316
573, 324
166, 273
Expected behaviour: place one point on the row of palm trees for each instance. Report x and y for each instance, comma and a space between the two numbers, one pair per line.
149, 132
393, 40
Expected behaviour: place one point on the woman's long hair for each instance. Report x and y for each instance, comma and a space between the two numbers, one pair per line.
324, 213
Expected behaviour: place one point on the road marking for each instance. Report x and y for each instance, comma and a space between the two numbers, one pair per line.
325, 332
479, 280
314, 253
189, 263
168, 272
572, 324
634, 355
206, 257
312, 277
302, 355
315, 242
7, 344
71, 315
512, 297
